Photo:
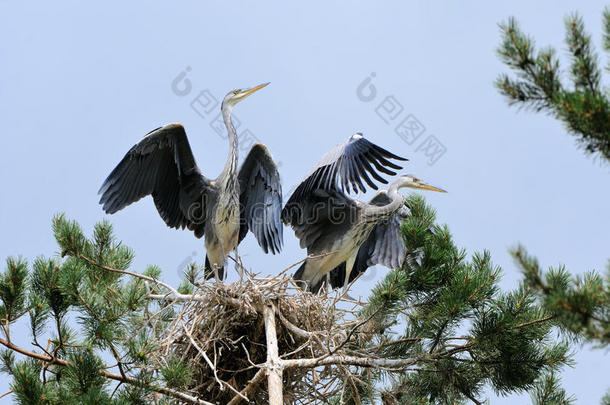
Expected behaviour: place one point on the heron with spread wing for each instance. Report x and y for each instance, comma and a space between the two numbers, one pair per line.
223, 210
340, 232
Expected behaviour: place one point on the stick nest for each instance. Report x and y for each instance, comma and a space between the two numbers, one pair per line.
221, 334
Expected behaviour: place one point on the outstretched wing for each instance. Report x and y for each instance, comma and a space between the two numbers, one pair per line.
383, 246
161, 165
324, 218
344, 168
261, 199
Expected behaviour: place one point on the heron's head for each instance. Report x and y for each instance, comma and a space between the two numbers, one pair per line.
235, 96
410, 181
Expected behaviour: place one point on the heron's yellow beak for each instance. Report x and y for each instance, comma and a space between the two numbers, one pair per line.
246, 93
424, 186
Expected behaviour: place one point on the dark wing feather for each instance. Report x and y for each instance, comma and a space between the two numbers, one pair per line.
162, 165
344, 168
325, 216
383, 246
261, 199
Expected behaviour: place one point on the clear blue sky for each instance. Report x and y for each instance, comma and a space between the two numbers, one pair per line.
81, 83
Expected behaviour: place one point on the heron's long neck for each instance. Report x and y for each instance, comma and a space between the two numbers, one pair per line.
228, 177
374, 212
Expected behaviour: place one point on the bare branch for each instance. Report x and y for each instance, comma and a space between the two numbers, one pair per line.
129, 273
254, 382
395, 364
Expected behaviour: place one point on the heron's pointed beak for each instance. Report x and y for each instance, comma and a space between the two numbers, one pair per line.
246, 93
424, 186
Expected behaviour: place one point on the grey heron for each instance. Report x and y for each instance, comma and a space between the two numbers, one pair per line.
339, 231
223, 210
384, 244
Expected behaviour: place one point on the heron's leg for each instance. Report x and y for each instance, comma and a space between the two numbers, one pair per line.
220, 277
210, 269
216, 276
215, 260
238, 263
349, 265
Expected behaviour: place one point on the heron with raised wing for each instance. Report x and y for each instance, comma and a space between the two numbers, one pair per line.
223, 210
340, 232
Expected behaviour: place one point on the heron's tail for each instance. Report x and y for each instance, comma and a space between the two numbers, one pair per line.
298, 275
304, 280
308, 282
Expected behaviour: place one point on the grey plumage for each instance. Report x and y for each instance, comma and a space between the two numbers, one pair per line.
161, 165
343, 236
383, 246
261, 199
223, 210
344, 168
331, 225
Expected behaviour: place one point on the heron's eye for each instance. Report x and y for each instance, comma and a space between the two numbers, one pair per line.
235, 92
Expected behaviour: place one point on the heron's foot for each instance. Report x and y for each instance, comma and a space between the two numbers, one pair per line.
215, 272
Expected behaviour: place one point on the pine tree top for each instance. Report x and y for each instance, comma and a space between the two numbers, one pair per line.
583, 105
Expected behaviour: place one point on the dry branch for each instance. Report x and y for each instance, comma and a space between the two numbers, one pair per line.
237, 334
274, 363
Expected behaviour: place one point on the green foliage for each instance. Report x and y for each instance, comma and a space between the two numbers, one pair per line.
584, 107
83, 308
92, 325
13, 285
606, 399
27, 386
579, 305
191, 274
462, 331
548, 392
7, 359
177, 373
46, 285
82, 374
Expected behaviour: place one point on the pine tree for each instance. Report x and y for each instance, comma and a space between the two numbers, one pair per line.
80, 307
584, 106
579, 306
439, 330
466, 333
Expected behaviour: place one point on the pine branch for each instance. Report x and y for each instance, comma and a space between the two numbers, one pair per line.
124, 379
128, 273
166, 341
579, 305
584, 109
548, 392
